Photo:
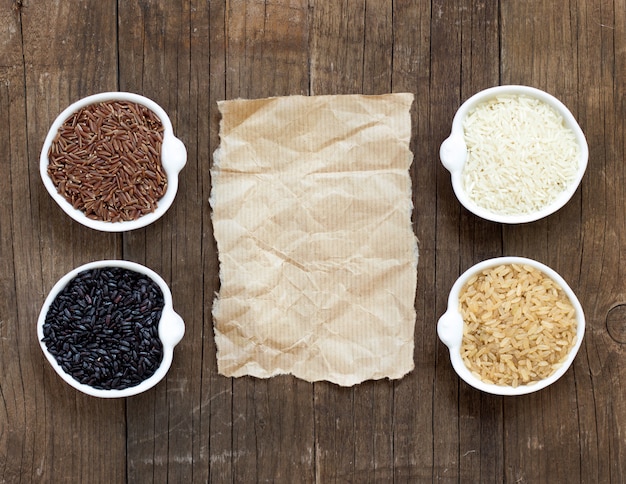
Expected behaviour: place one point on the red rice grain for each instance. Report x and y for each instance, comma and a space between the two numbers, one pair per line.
106, 161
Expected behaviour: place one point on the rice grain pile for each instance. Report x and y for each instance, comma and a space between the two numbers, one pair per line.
106, 161
519, 325
521, 155
103, 328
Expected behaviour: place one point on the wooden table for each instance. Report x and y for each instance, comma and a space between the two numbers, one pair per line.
198, 426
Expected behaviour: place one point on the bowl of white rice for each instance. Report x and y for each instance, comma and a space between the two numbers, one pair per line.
515, 154
513, 326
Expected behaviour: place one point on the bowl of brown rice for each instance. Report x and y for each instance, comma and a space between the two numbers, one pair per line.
111, 161
513, 326
515, 154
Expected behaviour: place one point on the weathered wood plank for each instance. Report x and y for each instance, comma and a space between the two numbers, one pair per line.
580, 241
413, 411
337, 47
49, 61
337, 67
272, 434
217, 392
599, 371
18, 444
155, 61
481, 452
447, 36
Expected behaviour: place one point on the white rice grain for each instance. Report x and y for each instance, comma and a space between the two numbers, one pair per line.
521, 155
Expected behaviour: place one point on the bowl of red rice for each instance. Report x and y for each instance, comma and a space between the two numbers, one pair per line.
513, 326
515, 154
111, 161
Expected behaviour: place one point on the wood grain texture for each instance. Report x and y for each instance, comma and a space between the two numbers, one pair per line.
197, 426
50, 432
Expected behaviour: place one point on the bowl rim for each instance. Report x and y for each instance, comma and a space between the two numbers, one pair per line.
451, 146
169, 336
451, 335
173, 158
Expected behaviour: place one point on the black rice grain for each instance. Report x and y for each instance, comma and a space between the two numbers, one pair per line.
102, 328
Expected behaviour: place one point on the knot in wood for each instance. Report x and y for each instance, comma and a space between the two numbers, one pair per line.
616, 323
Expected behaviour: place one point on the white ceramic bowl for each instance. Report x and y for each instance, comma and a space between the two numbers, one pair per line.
173, 158
450, 328
171, 330
453, 153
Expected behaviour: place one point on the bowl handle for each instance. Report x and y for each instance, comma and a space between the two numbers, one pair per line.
173, 153
453, 153
171, 328
450, 328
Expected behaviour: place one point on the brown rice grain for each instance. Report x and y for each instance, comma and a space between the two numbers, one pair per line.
519, 325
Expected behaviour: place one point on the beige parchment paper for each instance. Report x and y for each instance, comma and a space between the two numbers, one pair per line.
311, 209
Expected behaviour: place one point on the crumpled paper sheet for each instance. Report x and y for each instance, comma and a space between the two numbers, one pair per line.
311, 209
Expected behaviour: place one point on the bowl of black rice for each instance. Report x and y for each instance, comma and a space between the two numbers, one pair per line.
111, 161
108, 328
